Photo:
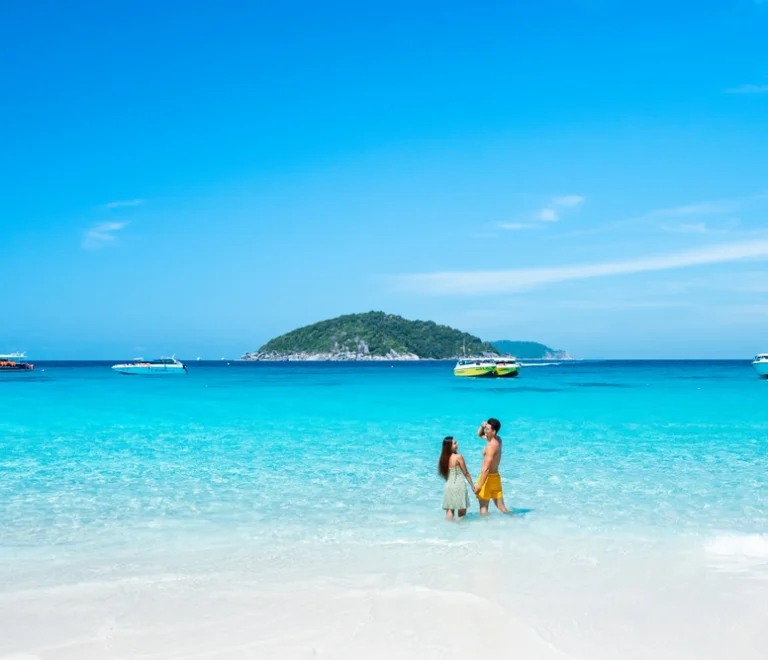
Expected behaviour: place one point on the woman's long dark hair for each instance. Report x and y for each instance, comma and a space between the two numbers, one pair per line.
445, 457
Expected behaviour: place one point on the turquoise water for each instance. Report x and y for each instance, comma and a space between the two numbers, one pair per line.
674, 448
320, 467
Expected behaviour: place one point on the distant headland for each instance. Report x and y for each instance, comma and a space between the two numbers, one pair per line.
387, 337
529, 350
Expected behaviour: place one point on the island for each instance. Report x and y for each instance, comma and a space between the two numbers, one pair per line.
529, 350
372, 336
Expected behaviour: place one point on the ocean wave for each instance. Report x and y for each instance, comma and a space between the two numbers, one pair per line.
753, 546
539, 364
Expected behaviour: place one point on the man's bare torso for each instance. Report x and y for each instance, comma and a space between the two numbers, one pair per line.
493, 452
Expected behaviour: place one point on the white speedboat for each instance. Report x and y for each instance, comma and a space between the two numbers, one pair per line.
161, 367
760, 364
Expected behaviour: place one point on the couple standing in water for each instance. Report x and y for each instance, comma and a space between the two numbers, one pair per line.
452, 467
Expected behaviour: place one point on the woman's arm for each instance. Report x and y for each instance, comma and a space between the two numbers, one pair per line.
463, 466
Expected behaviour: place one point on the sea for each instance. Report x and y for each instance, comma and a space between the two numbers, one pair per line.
292, 510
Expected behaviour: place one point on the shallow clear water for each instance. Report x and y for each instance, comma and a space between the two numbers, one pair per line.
288, 472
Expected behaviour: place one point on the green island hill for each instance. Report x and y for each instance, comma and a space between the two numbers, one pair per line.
372, 336
529, 350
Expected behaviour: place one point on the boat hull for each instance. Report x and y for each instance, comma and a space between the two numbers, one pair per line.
17, 367
761, 368
149, 370
507, 372
476, 372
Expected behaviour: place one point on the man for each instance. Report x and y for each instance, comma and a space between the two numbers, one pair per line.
489, 482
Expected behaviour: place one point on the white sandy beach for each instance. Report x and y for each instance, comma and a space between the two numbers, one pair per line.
408, 601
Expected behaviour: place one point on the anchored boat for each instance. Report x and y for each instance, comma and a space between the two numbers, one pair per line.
507, 367
161, 367
487, 367
15, 362
760, 364
475, 368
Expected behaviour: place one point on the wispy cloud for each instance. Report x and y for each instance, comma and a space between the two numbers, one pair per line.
748, 89
505, 281
569, 201
546, 215
123, 203
700, 208
691, 228
726, 227
517, 226
551, 212
707, 207
102, 234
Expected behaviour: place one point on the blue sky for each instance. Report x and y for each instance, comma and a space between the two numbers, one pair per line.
198, 177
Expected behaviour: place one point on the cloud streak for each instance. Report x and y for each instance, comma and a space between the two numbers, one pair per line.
123, 203
700, 208
517, 226
708, 207
546, 215
689, 228
569, 201
551, 213
102, 235
507, 281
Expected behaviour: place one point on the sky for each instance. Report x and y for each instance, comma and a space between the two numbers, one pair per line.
195, 178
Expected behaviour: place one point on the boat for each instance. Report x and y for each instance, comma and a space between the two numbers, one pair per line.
760, 363
161, 367
507, 367
487, 367
475, 368
15, 362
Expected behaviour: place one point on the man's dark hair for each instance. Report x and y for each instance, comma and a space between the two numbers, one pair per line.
495, 424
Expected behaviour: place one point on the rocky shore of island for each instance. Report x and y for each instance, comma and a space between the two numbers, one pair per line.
556, 355
339, 356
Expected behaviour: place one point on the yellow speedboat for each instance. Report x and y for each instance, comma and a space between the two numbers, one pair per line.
507, 367
475, 368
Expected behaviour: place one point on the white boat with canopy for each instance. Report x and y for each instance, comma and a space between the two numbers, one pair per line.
161, 367
760, 364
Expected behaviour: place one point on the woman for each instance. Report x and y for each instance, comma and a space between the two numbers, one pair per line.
455, 498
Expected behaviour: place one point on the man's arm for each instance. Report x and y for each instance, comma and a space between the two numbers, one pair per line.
490, 452
481, 430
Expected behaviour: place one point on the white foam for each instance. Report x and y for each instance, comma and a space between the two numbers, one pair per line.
740, 545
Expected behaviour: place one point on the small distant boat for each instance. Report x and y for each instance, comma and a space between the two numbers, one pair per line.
161, 367
760, 364
15, 362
